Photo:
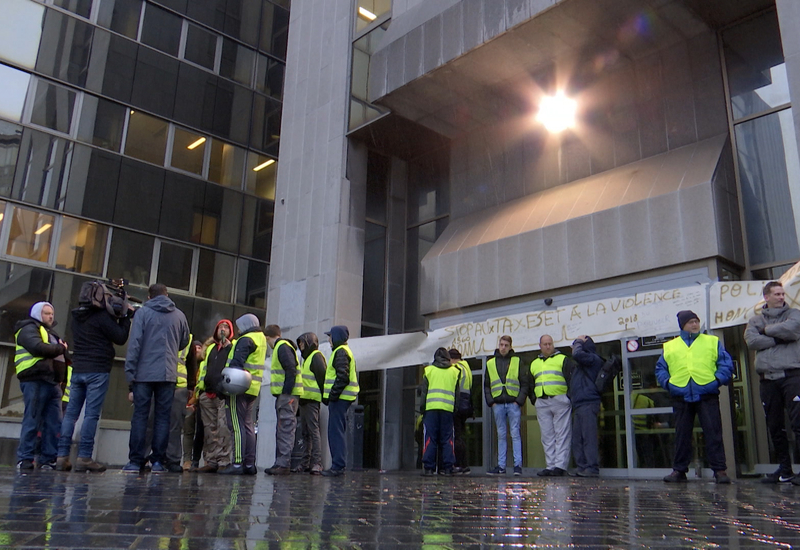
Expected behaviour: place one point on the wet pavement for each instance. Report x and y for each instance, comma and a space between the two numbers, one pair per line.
373, 510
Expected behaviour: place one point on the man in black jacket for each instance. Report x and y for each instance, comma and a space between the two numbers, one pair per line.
287, 387
94, 333
313, 374
340, 390
40, 365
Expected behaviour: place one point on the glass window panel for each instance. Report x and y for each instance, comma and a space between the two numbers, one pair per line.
241, 20
10, 138
378, 168
269, 76
251, 284
155, 82
53, 106
12, 92
121, 16
101, 122
130, 257
161, 29
373, 304
420, 241
769, 171
194, 97
755, 67
112, 65
215, 276
427, 192
262, 174
92, 188
175, 266
65, 46
265, 130
82, 247
368, 11
147, 138
42, 169
209, 12
257, 228
79, 7
232, 106
177, 5
201, 47
227, 164
181, 201
31, 234
22, 286
236, 62
139, 195
188, 151
20, 31
274, 30
222, 218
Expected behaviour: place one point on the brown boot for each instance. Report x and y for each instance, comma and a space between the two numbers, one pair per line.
207, 469
88, 465
63, 464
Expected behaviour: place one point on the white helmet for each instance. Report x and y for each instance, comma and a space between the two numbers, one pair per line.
235, 381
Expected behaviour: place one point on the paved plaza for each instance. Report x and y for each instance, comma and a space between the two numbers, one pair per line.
394, 510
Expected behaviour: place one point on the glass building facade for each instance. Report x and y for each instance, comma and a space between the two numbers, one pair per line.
138, 139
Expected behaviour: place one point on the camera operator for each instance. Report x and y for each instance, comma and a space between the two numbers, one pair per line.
95, 330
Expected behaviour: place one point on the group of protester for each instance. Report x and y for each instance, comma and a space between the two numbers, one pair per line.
170, 376
567, 396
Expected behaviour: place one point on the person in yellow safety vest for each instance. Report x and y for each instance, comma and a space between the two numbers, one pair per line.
313, 375
340, 390
549, 374
192, 441
692, 368
179, 401
250, 354
210, 399
40, 364
286, 384
464, 410
505, 387
65, 390
439, 391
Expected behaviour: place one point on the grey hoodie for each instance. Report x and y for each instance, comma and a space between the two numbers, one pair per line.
158, 332
775, 337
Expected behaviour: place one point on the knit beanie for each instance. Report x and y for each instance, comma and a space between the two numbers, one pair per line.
685, 316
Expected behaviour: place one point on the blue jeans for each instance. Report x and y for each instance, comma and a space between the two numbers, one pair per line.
337, 426
42, 414
511, 412
143, 392
89, 388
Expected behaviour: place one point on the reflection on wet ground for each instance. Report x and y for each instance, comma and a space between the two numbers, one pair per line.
372, 510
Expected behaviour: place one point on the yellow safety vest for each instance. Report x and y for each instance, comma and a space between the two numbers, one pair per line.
466, 376
441, 388
203, 369
698, 362
641, 401
512, 378
350, 392
277, 375
183, 374
23, 359
254, 363
311, 389
549, 373
65, 397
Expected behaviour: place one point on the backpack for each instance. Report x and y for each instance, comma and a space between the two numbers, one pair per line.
610, 369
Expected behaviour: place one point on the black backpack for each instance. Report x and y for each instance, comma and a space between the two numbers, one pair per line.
610, 369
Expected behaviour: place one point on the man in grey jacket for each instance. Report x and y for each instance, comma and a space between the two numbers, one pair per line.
158, 331
775, 337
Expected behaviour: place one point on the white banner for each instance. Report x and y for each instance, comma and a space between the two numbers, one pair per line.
734, 302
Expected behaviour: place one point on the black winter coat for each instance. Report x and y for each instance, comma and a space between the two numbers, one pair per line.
47, 369
94, 333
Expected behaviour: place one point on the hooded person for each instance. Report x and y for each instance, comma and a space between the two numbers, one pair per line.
286, 385
250, 354
585, 399
692, 369
439, 389
210, 400
313, 375
340, 390
40, 363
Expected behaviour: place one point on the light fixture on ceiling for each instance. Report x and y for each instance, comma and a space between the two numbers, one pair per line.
196, 144
44, 228
264, 165
557, 113
366, 14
